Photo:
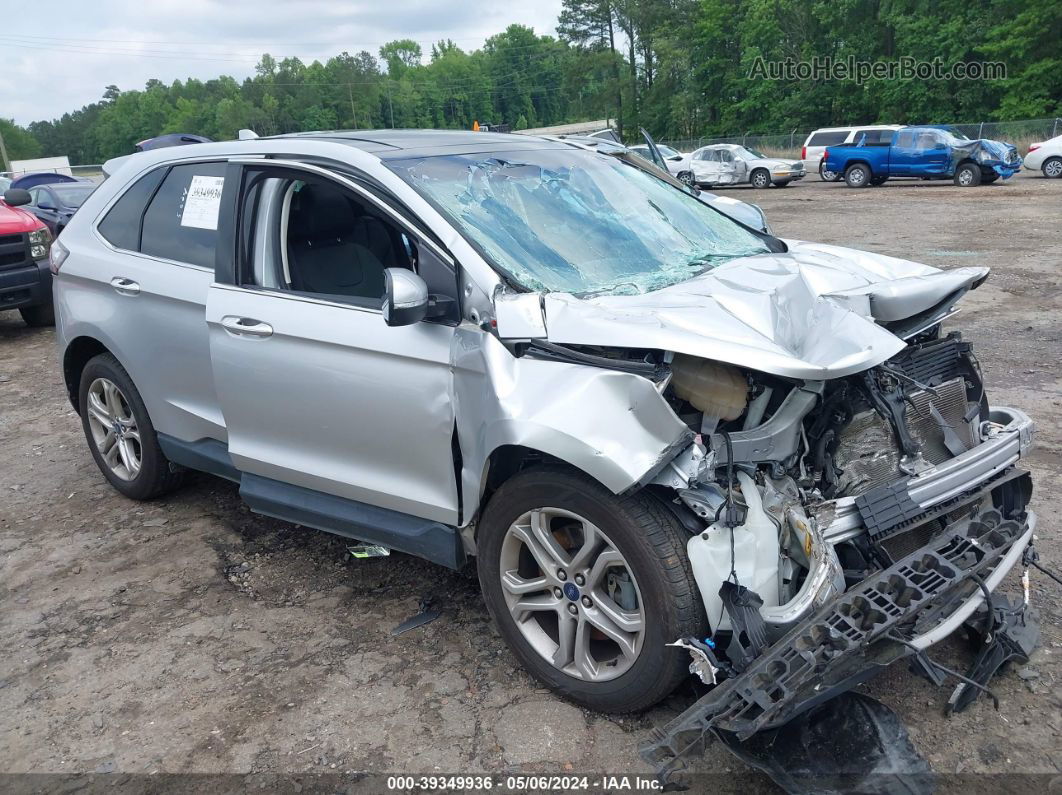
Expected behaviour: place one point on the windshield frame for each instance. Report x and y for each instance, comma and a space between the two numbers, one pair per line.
627, 157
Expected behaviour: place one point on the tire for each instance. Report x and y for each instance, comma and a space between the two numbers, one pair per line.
652, 550
875, 181
39, 316
968, 175
760, 178
686, 177
153, 476
857, 175
1052, 167
828, 176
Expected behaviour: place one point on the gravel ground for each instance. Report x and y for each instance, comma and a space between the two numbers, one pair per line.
189, 635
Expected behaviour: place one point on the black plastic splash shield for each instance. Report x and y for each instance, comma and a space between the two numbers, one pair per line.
850, 744
843, 643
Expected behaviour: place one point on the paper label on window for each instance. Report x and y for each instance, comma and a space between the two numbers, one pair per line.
203, 202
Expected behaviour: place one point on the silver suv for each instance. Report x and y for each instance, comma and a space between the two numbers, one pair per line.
649, 424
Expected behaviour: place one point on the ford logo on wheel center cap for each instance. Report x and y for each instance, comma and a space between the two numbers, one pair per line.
571, 591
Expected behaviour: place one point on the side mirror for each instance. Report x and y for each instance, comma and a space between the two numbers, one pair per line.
405, 297
16, 197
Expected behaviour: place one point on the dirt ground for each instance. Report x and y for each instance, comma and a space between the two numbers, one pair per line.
189, 635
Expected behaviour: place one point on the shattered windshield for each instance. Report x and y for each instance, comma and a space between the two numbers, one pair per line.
568, 220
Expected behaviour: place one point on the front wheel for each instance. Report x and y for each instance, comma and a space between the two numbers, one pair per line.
587, 588
760, 178
39, 316
1052, 167
968, 175
857, 176
686, 177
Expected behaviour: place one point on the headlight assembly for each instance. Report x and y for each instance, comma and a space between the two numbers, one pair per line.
40, 240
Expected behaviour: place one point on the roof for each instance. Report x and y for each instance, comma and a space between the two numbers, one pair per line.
396, 144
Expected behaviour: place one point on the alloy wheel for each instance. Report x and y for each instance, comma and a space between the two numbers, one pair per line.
1053, 168
572, 594
114, 429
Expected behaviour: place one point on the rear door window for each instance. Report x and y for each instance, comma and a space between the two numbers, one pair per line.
873, 137
121, 226
831, 138
181, 223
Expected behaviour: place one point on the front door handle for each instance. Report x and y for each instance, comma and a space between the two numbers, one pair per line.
246, 327
125, 286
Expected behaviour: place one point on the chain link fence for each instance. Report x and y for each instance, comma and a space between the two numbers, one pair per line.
1020, 133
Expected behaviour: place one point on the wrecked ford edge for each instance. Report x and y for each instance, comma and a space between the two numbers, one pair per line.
675, 444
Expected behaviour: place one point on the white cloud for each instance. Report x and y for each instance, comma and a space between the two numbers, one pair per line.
57, 64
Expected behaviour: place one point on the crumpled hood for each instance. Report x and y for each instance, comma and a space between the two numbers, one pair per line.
809, 313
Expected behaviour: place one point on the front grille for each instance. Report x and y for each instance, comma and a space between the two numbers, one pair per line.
14, 251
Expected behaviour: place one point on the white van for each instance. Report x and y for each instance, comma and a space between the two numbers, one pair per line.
818, 140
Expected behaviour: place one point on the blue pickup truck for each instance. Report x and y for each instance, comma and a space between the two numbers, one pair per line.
926, 152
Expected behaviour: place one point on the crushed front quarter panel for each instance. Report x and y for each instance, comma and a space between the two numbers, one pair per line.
614, 426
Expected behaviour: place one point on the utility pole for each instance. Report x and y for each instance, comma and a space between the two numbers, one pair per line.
389, 105
3, 153
353, 112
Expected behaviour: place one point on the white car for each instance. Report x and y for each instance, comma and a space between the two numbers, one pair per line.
817, 141
675, 160
1046, 156
731, 164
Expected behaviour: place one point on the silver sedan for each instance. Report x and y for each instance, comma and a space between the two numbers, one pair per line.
731, 164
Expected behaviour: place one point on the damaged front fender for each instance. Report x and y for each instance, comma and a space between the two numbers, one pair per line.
614, 426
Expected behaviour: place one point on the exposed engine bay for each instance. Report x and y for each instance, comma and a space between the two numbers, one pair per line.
826, 516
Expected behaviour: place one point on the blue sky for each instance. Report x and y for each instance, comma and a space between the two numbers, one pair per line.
60, 55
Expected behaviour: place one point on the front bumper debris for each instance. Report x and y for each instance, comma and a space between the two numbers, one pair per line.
898, 611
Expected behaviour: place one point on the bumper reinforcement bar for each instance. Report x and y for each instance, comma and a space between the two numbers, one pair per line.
845, 642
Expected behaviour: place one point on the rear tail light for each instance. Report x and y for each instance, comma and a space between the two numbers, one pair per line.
57, 256
803, 153
825, 155
1033, 147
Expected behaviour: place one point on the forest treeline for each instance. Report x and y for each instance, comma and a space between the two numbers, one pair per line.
679, 68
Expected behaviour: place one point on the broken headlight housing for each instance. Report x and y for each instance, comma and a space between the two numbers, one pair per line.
40, 241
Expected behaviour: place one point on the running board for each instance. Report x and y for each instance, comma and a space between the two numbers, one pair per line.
422, 538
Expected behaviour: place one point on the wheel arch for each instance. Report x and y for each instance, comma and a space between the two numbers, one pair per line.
79, 351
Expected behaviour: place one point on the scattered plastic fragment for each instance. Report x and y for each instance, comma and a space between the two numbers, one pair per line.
369, 551
425, 616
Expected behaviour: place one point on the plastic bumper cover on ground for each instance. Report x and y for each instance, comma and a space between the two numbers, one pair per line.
900, 610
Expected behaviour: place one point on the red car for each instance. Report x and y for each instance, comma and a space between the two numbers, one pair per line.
25, 280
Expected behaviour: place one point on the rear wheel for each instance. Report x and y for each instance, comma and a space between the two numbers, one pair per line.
119, 432
857, 175
826, 175
687, 178
1052, 167
760, 178
968, 175
37, 316
588, 588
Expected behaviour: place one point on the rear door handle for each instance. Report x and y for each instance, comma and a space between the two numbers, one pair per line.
125, 286
246, 327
